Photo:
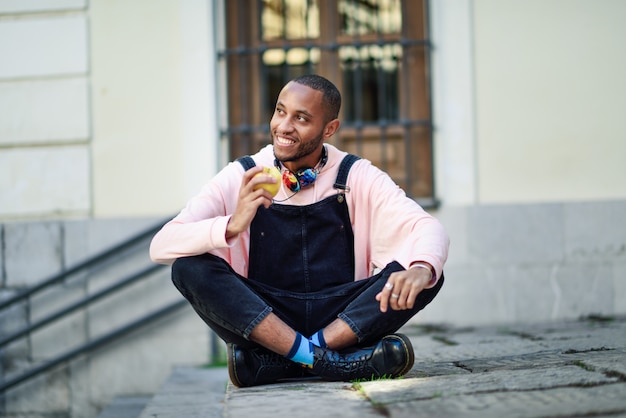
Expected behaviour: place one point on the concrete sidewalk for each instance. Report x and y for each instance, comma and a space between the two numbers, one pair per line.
557, 369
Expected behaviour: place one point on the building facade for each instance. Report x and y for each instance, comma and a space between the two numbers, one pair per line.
113, 113
116, 110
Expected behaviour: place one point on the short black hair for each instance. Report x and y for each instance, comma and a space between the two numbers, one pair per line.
330, 94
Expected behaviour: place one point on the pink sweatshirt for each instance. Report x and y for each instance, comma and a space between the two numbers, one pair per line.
387, 225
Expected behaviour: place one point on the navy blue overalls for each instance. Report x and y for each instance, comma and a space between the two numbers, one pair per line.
301, 268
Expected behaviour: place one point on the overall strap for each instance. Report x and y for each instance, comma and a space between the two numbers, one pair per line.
344, 169
247, 162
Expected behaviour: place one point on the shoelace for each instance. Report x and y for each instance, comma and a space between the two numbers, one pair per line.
273, 359
337, 362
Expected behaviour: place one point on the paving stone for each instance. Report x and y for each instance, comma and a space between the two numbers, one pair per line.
429, 369
601, 401
125, 407
544, 359
612, 362
499, 380
314, 399
477, 347
515, 362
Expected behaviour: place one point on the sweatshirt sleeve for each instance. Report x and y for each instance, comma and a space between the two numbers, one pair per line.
397, 227
200, 227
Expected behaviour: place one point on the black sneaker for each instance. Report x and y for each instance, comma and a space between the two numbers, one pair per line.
391, 357
258, 366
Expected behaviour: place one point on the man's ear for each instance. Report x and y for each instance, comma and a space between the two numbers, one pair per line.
331, 127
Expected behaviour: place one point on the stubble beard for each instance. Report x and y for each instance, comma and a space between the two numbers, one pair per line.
304, 149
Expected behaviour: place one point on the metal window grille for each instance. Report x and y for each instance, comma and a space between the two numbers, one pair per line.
376, 51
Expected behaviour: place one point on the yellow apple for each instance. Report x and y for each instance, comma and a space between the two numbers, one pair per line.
270, 187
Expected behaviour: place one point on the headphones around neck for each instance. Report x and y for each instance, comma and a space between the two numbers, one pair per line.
303, 177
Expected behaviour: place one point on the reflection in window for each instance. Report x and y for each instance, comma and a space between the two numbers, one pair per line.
370, 82
361, 17
282, 65
290, 19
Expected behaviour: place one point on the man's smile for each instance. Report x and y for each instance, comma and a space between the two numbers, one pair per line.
285, 141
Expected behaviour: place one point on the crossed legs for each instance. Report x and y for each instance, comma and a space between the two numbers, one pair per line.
248, 315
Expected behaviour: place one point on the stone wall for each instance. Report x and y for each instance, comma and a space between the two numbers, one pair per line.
533, 262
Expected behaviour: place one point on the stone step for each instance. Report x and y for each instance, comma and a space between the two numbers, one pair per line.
125, 407
189, 392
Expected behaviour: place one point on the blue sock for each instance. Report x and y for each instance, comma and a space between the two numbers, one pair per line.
318, 339
301, 351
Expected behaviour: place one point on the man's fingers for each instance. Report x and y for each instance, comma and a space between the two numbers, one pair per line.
385, 295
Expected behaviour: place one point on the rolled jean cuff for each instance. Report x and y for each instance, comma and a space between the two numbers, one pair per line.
352, 325
264, 313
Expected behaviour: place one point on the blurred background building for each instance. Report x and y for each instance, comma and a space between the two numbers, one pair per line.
502, 117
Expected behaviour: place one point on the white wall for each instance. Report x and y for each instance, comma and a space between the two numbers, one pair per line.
44, 109
107, 107
154, 137
550, 98
528, 97
453, 101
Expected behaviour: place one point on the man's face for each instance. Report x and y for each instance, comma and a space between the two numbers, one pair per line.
297, 126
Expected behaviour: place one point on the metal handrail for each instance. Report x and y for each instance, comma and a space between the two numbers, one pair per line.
100, 257
99, 341
81, 303
92, 345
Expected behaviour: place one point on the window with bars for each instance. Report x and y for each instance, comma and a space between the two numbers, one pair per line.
375, 51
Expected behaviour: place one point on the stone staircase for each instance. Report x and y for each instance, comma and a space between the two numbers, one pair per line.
188, 392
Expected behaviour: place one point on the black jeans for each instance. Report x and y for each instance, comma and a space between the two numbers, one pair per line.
233, 305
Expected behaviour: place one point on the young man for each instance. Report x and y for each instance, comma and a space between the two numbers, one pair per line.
288, 281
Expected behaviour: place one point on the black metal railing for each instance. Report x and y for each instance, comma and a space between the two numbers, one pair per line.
101, 257
90, 264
